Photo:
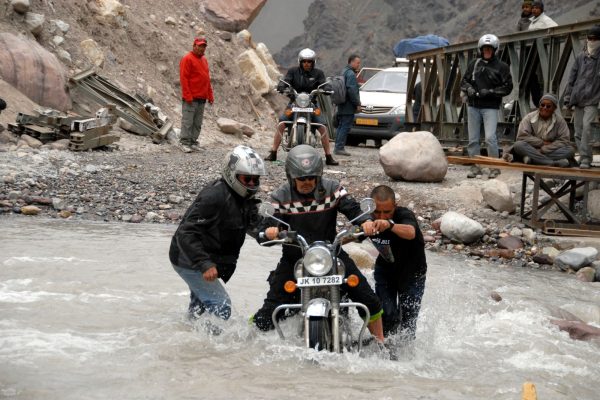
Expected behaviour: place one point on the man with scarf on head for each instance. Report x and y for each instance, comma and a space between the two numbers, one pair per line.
583, 94
310, 203
543, 137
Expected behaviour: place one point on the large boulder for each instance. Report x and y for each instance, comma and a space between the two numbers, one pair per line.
34, 71
254, 69
461, 228
265, 56
109, 12
233, 15
497, 195
414, 156
576, 258
93, 52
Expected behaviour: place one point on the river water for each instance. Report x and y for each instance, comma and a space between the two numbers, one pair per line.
94, 311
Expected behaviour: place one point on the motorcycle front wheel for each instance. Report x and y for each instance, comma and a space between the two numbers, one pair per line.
300, 134
319, 333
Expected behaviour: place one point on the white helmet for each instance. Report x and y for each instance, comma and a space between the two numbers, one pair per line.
242, 160
488, 40
307, 54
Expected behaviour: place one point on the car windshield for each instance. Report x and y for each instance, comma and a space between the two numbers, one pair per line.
387, 81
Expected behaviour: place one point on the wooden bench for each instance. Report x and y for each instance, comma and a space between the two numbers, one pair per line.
576, 221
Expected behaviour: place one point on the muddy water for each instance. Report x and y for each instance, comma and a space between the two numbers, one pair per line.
94, 311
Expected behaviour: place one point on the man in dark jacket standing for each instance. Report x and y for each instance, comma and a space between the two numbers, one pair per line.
303, 78
525, 20
196, 90
486, 81
346, 111
207, 242
583, 93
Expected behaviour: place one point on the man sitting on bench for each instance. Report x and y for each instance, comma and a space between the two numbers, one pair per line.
543, 137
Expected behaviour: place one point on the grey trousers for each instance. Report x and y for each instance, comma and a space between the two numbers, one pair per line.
191, 121
582, 122
523, 149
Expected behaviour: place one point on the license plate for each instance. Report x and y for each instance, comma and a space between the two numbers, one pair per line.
300, 109
367, 121
320, 280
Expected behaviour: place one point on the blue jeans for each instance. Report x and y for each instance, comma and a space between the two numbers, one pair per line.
401, 306
489, 116
205, 295
344, 124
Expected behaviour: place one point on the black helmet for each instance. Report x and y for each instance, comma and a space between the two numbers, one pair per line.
303, 160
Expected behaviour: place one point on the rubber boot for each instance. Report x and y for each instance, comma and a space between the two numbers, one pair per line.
272, 156
330, 161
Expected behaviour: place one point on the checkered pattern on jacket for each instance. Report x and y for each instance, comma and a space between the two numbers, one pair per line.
310, 206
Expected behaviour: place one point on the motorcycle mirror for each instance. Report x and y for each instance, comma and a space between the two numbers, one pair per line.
266, 209
367, 205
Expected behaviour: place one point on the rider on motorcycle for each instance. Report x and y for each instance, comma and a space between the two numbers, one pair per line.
303, 78
310, 204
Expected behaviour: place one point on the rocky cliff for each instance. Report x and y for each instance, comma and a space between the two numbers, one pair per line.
335, 28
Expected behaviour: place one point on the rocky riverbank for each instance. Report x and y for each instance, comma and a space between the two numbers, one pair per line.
140, 182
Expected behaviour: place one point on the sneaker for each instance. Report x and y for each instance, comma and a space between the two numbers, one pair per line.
341, 153
584, 165
526, 160
185, 148
330, 161
494, 172
272, 156
562, 163
196, 147
474, 171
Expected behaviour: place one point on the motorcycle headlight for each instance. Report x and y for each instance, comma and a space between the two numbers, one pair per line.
400, 110
303, 100
318, 261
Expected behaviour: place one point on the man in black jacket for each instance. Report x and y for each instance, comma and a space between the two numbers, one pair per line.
207, 242
309, 204
485, 82
303, 78
351, 106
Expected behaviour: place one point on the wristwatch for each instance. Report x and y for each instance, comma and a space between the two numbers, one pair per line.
391, 223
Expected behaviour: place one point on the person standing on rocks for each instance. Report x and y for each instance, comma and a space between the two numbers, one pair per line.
207, 242
196, 90
303, 78
351, 106
543, 137
485, 82
583, 94
401, 265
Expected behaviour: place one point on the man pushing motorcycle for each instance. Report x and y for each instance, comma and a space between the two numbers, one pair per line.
303, 78
309, 204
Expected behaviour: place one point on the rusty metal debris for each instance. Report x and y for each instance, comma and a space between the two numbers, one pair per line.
83, 134
141, 116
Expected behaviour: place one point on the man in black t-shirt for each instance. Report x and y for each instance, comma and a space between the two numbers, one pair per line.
401, 266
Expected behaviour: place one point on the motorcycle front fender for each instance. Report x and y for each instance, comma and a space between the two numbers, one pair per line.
318, 307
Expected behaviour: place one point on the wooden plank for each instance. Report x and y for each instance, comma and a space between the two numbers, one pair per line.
499, 163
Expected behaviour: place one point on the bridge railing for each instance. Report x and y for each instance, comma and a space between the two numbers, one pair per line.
544, 55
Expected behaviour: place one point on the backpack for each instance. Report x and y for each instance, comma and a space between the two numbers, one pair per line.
338, 86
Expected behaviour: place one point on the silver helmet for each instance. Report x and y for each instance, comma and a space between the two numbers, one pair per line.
303, 160
307, 54
242, 160
488, 40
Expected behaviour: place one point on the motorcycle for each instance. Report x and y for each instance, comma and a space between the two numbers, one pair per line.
302, 109
319, 275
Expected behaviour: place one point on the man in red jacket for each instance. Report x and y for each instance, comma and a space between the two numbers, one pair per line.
195, 91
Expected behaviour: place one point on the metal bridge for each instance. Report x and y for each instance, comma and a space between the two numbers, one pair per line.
544, 55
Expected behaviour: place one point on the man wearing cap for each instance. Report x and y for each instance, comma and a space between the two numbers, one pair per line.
196, 90
583, 94
543, 137
540, 20
525, 20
